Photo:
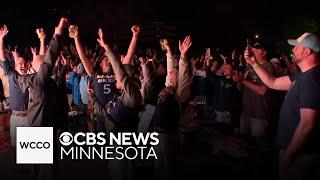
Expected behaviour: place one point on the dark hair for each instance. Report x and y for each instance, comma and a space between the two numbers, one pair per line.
25, 53
98, 59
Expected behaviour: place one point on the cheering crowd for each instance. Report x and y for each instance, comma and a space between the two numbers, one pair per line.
250, 94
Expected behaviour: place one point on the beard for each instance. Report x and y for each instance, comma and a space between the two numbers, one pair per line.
296, 59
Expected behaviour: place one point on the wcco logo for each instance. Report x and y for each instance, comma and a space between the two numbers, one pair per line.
34, 145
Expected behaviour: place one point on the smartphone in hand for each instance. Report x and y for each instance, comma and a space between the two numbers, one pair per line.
249, 47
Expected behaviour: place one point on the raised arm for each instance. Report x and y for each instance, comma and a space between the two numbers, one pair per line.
282, 83
4, 63
184, 81
64, 69
224, 59
52, 52
82, 55
119, 71
133, 45
171, 72
42, 36
146, 82
131, 95
42, 48
224, 63
145, 69
3, 32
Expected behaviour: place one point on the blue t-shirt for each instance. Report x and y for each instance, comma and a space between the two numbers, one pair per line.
18, 99
74, 81
304, 93
104, 85
83, 89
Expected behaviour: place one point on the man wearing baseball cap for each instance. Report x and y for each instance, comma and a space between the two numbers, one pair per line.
299, 123
255, 107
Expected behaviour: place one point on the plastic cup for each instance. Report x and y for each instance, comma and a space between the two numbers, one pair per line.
72, 30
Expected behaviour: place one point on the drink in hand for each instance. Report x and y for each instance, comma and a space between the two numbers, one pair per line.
72, 31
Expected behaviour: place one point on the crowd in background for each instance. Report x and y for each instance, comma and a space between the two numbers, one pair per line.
110, 91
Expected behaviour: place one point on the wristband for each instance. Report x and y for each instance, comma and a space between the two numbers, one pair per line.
255, 66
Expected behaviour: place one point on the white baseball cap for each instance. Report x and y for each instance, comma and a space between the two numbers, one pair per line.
308, 40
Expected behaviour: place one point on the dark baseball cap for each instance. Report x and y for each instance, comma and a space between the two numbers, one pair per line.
258, 45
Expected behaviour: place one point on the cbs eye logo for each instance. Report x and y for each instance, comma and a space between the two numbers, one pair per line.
66, 138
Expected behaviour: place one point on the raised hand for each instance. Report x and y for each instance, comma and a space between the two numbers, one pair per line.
165, 44
122, 58
207, 59
135, 30
41, 34
14, 54
63, 60
142, 60
101, 40
73, 31
233, 54
249, 59
62, 24
3, 31
185, 45
34, 51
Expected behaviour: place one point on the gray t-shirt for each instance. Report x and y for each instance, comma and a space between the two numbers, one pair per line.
38, 85
255, 105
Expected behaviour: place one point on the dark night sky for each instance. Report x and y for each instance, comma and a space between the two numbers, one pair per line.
224, 23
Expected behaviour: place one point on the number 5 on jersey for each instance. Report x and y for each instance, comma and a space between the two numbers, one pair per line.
106, 89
